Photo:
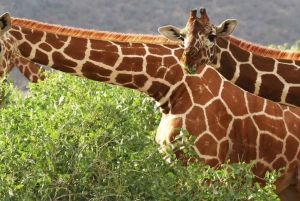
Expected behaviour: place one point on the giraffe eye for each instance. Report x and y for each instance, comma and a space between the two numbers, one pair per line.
211, 37
181, 37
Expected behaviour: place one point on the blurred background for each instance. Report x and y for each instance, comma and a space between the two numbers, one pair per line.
264, 22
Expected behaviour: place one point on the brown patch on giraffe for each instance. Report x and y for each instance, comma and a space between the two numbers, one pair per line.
235, 102
291, 148
285, 60
243, 136
293, 96
158, 50
210, 80
222, 43
124, 78
45, 47
140, 80
255, 104
108, 58
195, 120
17, 62
218, 119
200, 90
274, 109
134, 64
179, 94
274, 126
157, 90
153, 67
214, 162
90, 68
41, 57
103, 45
223, 150
34, 37
16, 34
178, 52
284, 70
264, 64
279, 163
247, 78
25, 49
206, 145
297, 62
76, 48
59, 59
269, 147
226, 58
240, 56
206, 86
170, 74
294, 127
260, 170
169, 61
268, 83
133, 49
56, 41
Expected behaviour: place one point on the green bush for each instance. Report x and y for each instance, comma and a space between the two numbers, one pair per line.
286, 46
74, 139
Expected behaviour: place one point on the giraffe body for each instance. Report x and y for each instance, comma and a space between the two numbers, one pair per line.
228, 122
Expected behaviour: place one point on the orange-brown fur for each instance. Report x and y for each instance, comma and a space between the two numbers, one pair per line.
92, 34
263, 50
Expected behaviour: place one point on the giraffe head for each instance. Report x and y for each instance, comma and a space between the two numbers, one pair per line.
5, 50
199, 38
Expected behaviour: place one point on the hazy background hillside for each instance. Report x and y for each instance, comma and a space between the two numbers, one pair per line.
264, 22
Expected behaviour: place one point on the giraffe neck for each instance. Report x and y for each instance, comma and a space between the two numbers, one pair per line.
33, 72
263, 50
149, 68
274, 79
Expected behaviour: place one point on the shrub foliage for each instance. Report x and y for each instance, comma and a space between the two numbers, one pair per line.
74, 139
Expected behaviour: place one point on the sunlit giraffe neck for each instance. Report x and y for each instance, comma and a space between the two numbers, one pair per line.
228, 122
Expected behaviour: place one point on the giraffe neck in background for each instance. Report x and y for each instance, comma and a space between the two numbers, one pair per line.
274, 79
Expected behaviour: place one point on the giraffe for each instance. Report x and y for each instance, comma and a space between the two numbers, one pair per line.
228, 122
268, 73
199, 37
8, 60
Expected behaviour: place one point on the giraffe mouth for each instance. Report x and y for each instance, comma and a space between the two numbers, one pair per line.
191, 69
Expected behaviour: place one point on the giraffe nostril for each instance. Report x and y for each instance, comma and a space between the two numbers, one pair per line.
187, 53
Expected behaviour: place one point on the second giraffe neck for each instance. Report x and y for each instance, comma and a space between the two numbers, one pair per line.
264, 76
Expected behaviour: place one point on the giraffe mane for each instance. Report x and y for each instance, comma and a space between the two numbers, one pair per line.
92, 34
263, 50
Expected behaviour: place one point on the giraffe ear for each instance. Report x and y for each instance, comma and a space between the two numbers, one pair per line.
170, 32
226, 28
5, 23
